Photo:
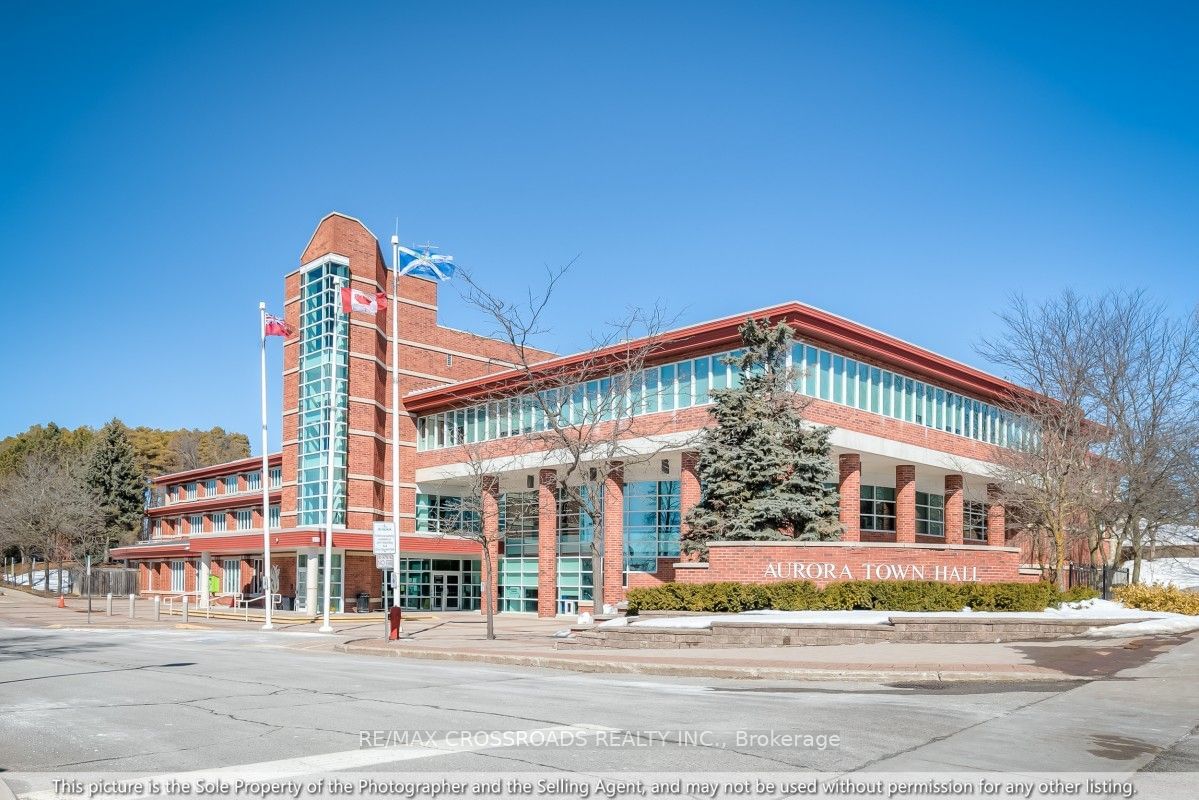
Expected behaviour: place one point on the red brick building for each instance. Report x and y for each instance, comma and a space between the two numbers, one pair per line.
914, 438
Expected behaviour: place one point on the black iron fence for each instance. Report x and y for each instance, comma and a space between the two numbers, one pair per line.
1102, 579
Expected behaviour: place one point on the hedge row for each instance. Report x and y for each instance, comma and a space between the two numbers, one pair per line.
1159, 598
849, 595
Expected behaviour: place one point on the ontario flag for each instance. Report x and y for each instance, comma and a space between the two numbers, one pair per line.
362, 302
275, 326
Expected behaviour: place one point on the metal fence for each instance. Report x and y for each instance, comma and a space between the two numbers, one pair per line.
1102, 579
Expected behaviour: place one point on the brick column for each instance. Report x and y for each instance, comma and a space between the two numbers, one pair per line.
490, 509
955, 508
689, 492
547, 543
996, 521
905, 503
613, 536
849, 487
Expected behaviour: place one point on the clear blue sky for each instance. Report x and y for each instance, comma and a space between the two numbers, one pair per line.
903, 164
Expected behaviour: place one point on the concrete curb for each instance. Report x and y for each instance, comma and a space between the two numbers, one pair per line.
710, 670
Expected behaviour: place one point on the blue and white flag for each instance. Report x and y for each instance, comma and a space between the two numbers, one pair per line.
423, 264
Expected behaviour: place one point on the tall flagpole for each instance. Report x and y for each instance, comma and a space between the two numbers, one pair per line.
394, 313
328, 571
268, 595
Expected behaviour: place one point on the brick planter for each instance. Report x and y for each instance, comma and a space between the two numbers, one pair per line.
825, 562
911, 630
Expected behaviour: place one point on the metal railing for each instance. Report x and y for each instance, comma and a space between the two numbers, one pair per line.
1102, 579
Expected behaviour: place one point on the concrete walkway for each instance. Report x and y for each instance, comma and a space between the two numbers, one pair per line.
529, 641
1069, 660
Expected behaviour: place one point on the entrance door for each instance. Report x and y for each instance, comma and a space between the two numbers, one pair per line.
335, 599
446, 595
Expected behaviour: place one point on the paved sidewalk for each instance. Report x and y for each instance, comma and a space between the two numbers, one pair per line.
21, 608
529, 641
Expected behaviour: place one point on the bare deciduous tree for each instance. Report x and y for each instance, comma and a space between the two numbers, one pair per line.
1114, 444
583, 416
1145, 386
47, 510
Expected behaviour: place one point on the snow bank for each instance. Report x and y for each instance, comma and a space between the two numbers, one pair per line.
1182, 572
1165, 626
1140, 623
701, 621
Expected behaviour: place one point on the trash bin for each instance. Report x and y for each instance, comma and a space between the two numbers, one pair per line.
364, 602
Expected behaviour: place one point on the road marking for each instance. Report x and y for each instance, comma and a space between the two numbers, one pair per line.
343, 760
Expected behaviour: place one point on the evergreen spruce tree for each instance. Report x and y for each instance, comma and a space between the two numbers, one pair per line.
762, 468
116, 479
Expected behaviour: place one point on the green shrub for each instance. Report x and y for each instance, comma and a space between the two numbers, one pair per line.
1076, 594
732, 597
1159, 598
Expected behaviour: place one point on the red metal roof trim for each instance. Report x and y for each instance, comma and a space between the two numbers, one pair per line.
217, 470
231, 502
810, 324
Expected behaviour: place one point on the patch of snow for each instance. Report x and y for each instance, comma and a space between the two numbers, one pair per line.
1178, 535
1087, 609
39, 580
769, 617
1182, 572
1172, 623
584, 619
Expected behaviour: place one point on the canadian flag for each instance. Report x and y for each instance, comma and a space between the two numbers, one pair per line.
360, 301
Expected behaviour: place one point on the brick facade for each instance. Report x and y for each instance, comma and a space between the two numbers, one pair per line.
547, 543
614, 535
954, 509
905, 503
996, 518
490, 513
849, 487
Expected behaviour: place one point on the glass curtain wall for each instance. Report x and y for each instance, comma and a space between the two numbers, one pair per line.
518, 562
651, 524
576, 532
323, 329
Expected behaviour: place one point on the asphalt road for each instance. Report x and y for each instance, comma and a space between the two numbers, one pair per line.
165, 701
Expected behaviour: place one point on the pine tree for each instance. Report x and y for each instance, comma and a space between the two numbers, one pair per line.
117, 481
762, 468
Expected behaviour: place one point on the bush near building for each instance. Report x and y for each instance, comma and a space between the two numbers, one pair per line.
851, 595
1159, 598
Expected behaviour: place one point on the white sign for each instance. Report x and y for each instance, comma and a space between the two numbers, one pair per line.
384, 538
384, 561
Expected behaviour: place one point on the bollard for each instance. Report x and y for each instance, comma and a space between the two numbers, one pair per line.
109, 611
157, 608
131, 598
184, 609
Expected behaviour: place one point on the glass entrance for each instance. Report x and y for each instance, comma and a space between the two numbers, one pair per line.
335, 598
445, 591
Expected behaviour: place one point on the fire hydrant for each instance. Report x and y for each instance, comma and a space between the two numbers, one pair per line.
393, 624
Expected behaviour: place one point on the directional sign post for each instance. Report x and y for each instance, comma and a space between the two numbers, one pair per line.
383, 544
